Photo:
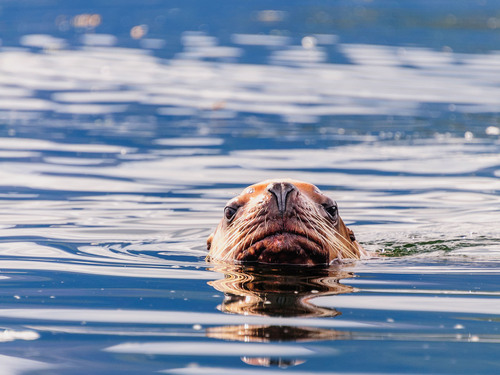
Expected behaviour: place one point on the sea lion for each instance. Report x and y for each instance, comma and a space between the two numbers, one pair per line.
279, 293
282, 222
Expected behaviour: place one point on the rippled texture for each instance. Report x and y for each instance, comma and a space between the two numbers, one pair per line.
125, 128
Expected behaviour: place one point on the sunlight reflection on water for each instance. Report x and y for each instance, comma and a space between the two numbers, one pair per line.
381, 79
117, 164
429, 185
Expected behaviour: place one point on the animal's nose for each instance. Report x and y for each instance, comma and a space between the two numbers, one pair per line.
281, 191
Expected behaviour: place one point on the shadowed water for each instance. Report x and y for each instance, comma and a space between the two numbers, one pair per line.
125, 129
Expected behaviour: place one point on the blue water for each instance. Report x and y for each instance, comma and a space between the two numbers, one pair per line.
126, 126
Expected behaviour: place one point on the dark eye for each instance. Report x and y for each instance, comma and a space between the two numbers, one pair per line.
332, 211
229, 213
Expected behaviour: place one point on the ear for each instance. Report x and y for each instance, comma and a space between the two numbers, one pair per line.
209, 241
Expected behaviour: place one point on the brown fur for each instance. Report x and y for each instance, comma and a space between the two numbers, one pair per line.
282, 222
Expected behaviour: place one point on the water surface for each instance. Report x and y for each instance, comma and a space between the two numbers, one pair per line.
125, 128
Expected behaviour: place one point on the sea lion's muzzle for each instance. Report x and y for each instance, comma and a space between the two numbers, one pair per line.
282, 222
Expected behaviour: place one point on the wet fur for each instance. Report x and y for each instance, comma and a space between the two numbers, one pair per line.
303, 234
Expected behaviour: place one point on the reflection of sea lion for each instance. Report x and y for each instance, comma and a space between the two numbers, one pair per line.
284, 292
262, 333
269, 291
282, 222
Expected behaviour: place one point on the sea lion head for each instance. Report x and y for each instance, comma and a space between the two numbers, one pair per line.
282, 222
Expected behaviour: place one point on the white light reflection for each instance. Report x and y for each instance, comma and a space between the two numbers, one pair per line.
191, 142
214, 349
99, 39
121, 270
17, 366
427, 207
119, 331
382, 79
43, 41
40, 144
258, 371
260, 40
434, 185
459, 305
12, 335
172, 317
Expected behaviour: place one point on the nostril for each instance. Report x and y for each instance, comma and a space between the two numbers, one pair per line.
281, 191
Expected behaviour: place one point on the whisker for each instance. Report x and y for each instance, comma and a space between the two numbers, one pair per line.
259, 220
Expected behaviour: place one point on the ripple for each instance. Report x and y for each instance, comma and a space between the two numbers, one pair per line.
165, 317
99, 97
471, 305
119, 152
381, 80
115, 191
40, 144
121, 270
30, 249
215, 349
16, 365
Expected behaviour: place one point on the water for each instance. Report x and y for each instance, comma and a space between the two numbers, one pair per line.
124, 129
